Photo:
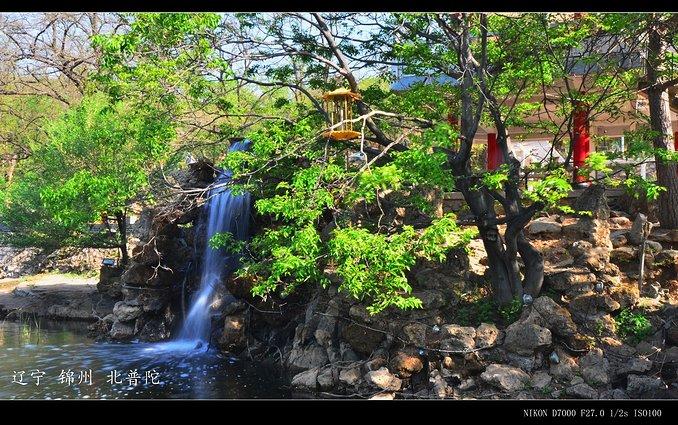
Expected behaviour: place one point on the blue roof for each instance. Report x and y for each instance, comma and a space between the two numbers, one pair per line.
407, 81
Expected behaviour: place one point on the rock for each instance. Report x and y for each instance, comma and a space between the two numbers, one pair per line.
664, 235
639, 386
109, 281
570, 280
351, 376
383, 396
406, 363
623, 254
326, 379
506, 378
618, 239
622, 222
544, 226
593, 200
527, 363
653, 246
670, 355
458, 338
625, 295
440, 387
377, 362
303, 358
154, 330
667, 257
566, 368
595, 367
545, 312
468, 384
121, 330
590, 303
672, 335
383, 379
541, 380
125, 311
233, 336
637, 365
361, 339
487, 335
306, 381
582, 391
414, 333
636, 233
615, 394
431, 299
526, 338
644, 348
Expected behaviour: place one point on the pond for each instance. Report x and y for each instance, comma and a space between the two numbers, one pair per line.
56, 360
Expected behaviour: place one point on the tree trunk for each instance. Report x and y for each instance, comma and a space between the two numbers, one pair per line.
660, 122
121, 218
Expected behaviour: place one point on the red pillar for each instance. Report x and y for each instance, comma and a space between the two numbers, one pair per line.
582, 141
494, 157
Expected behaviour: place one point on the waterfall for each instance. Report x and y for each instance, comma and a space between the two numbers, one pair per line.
226, 212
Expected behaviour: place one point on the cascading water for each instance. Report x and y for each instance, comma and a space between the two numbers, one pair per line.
226, 212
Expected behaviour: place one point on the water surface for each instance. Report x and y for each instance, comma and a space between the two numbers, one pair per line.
56, 357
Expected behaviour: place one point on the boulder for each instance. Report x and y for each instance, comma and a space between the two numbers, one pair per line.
541, 380
621, 222
594, 201
623, 254
383, 379
639, 386
591, 303
126, 310
327, 379
566, 367
406, 363
595, 368
487, 335
306, 381
414, 333
581, 390
618, 239
525, 338
668, 257
545, 312
233, 336
544, 226
654, 247
307, 357
457, 338
122, 330
635, 235
506, 378
636, 365
351, 376
362, 340
570, 280
431, 299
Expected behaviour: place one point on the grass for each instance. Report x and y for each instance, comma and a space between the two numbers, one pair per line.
478, 307
633, 326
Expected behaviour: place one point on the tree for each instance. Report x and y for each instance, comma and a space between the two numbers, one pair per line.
662, 31
95, 163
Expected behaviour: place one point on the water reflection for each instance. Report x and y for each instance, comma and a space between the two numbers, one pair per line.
166, 370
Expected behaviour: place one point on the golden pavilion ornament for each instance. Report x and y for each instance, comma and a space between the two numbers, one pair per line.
339, 106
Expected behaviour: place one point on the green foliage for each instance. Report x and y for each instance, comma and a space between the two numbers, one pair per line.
633, 325
227, 242
510, 312
96, 159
